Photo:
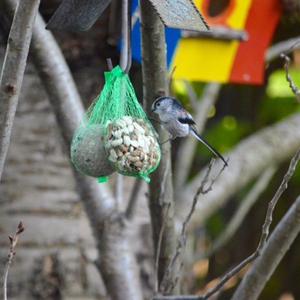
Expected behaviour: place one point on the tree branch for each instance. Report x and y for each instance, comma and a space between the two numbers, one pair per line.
282, 47
155, 84
263, 238
133, 199
293, 87
279, 243
257, 189
13, 240
252, 156
203, 189
109, 229
265, 228
13, 70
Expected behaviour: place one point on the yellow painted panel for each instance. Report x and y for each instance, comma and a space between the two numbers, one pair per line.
210, 60
202, 61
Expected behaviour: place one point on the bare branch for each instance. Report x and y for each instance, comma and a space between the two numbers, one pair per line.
187, 149
155, 84
264, 234
289, 79
13, 70
129, 213
265, 228
282, 47
111, 235
279, 243
167, 284
260, 185
283, 186
249, 159
13, 240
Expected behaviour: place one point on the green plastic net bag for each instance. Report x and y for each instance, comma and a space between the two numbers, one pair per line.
128, 140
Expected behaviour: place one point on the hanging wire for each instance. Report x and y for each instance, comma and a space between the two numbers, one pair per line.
125, 59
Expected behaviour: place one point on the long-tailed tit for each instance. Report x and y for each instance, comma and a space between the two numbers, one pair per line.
178, 122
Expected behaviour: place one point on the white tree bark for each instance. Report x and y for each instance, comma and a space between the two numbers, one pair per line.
110, 232
161, 201
13, 70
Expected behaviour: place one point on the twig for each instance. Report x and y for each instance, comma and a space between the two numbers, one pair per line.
202, 190
13, 70
133, 199
294, 88
242, 211
265, 227
278, 244
170, 79
264, 235
283, 186
13, 240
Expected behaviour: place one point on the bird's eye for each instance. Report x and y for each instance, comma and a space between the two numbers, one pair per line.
158, 104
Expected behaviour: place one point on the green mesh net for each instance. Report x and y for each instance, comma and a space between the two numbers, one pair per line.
116, 134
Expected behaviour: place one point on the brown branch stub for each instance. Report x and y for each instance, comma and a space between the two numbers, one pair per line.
13, 240
293, 86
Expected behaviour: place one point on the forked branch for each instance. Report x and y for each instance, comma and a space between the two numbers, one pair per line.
262, 242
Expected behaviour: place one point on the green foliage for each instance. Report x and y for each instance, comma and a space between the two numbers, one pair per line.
225, 134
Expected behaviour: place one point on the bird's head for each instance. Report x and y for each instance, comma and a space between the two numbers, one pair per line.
163, 104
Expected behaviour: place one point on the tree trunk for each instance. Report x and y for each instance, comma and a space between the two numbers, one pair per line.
155, 84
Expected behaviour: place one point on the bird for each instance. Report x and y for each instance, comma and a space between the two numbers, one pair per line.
179, 122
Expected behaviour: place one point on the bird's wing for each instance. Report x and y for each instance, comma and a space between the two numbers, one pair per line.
186, 118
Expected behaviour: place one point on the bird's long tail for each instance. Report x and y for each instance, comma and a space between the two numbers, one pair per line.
214, 151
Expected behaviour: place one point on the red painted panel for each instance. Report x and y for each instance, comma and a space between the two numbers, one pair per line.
249, 64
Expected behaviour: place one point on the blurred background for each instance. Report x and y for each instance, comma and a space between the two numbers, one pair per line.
56, 255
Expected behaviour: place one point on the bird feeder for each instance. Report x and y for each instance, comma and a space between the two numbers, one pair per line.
198, 58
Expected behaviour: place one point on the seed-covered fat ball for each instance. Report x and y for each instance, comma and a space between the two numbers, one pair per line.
88, 153
132, 146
